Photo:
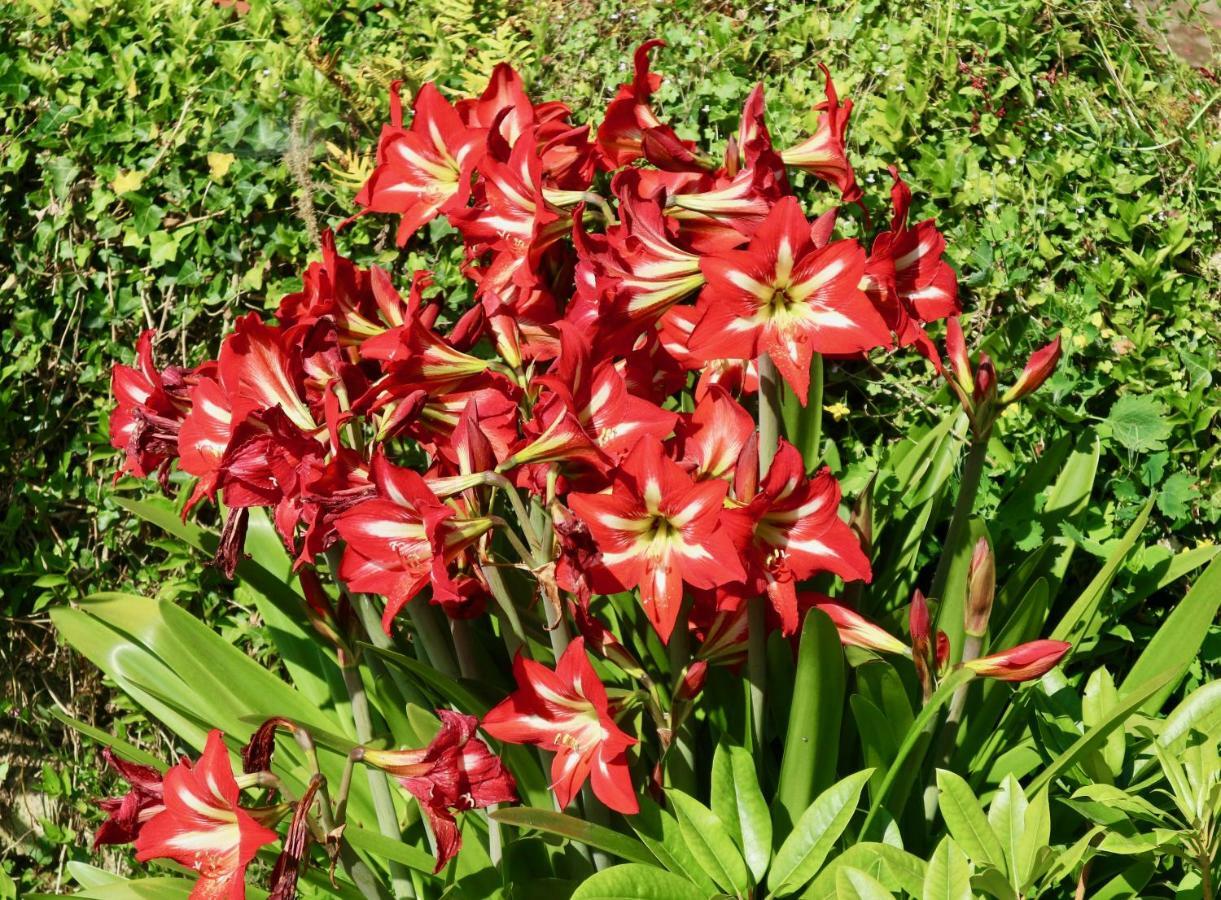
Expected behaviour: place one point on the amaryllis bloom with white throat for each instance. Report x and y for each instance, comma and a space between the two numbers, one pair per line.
788, 298
202, 826
657, 528
566, 711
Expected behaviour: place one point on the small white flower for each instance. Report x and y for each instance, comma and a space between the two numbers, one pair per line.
1013, 160
1080, 210
704, 108
769, 8
884, 47
1046, 136
266, 72
857, 20
900, 86
1059, 127
869, 178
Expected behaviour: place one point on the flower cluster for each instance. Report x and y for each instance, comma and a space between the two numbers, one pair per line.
629, 292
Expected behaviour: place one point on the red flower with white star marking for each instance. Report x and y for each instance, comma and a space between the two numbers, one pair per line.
203, 828
657, 528
567, 711
787, 298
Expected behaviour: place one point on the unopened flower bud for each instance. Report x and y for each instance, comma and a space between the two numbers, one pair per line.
1038, 369
918, 624
981, 588
985, 380
857, 631
943, 652
1021, 663
692, 682
956, 347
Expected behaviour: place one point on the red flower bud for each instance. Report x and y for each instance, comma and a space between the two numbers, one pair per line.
1038, 369
981, 589
956, 347
943, 651
1021, 663
985, 380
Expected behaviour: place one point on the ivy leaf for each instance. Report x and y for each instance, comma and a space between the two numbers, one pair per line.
1139, 423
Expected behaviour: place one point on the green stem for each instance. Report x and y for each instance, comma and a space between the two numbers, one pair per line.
814, 408
681, 770
971, 646
972, 472
756, 618
379, 785
433, 636
512, 632
597, 814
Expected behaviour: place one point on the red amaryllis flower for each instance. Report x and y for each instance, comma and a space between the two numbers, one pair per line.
822, 154
454, 773
567, 711
426, 169
907, 275
629, 118
795, 531
399, 541
657, 528
203, 828
151, 404
1021, 663
126, 815
857, 631
716, 434
787, 298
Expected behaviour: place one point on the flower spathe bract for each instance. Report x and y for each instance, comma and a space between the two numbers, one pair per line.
566, 711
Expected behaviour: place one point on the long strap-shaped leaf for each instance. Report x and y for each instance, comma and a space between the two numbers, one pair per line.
1077, 620
1180, 637
917, 736
596, 836
1096, 735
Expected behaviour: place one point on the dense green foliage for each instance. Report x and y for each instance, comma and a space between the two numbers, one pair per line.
168, 165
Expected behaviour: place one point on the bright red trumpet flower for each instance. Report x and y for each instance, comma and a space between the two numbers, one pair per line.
202, 826
657, 529
567, 711
787, 298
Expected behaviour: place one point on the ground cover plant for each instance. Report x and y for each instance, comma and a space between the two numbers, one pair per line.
894, 436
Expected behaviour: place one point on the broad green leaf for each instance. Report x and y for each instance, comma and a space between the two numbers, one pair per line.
853, 884
1201, 710
895, 869
966, 822
813, 838
738, 802
1034, 840
1138, 422
1096, 736
597, 836
915, 742
660, 832
949, 874
1078, 621
633, 881
1099, 699
1007, 816
811, 746
1179, 639
878, 741
710, 843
